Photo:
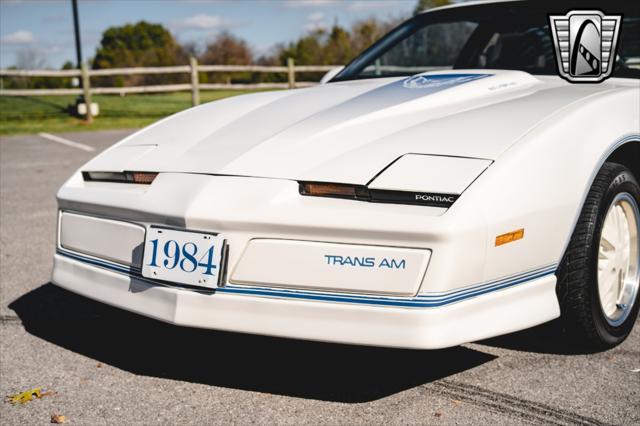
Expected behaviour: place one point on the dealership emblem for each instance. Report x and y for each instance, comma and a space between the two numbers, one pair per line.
585, 42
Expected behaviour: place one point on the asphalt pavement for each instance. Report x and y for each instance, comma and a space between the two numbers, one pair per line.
107, 366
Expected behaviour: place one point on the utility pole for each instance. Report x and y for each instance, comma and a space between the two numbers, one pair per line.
76, 31
85, 83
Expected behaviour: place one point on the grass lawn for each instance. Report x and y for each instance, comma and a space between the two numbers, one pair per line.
20, 115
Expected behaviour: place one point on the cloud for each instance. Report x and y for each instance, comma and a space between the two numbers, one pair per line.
362, 5
315, 17
200, 22
316, 21
18, 37
349, 5
55, 49
309, 3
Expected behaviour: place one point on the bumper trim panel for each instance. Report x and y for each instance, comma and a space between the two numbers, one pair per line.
433, 300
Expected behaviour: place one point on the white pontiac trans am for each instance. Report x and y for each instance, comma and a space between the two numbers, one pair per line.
444, 187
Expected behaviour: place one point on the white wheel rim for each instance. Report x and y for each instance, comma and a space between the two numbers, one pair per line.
619, 259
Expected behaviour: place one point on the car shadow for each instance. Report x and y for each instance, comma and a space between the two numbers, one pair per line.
322, 371
548, 338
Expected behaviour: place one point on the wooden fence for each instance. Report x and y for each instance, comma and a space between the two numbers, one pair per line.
193, 69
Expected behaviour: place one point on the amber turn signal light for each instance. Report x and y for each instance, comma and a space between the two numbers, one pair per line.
320, 189
509, 237
142, 178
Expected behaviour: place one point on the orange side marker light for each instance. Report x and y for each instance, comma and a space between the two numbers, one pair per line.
509, 237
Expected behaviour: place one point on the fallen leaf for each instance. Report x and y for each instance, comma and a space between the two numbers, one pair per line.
456, 402
99, 365
26, 396
58, 419
437, 414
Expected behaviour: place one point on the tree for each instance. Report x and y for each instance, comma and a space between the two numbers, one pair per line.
226, 49
429, 4
32, 58
336, 46
191, 48
337, 49
306, 51
320, 47
365, 33
139, 45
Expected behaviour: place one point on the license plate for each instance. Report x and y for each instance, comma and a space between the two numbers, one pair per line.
185, 257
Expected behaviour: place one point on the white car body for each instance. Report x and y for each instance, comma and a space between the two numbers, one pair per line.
513, 146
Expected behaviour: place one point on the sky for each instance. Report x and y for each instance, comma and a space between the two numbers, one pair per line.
45, 27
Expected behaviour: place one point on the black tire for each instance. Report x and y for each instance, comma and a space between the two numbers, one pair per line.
582, 316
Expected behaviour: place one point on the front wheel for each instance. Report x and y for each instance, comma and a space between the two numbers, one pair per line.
599, 276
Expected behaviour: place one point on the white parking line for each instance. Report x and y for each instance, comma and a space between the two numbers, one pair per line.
63, 141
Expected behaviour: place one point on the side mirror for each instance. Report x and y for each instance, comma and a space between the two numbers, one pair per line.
330, 74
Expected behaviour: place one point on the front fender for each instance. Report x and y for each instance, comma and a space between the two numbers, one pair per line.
541, 182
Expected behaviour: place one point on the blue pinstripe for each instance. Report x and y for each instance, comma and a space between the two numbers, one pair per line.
420, 301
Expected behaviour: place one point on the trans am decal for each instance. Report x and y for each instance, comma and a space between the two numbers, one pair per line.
366, 262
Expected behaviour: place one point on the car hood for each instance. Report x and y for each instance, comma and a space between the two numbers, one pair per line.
347, 132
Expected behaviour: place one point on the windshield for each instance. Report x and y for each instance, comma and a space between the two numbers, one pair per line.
510, 36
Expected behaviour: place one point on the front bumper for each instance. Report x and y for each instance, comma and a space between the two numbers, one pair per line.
520, 303
471, 290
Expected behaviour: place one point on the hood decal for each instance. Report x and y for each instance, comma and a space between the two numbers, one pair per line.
439, 82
